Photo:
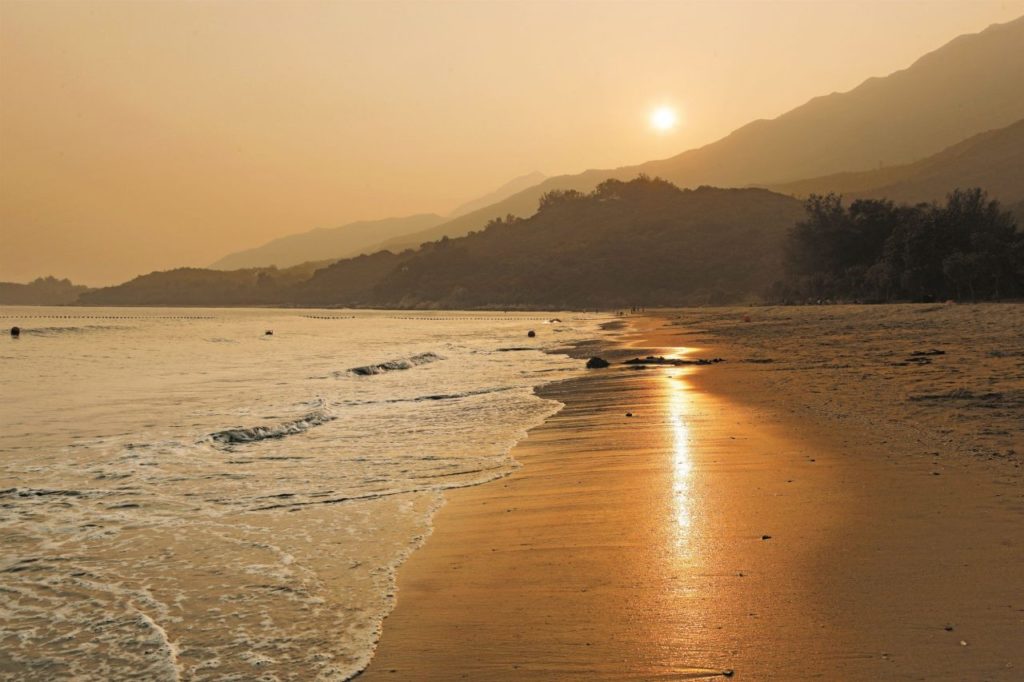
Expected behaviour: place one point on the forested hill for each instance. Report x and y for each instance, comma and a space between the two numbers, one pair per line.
42, 291
646, 242
205, 287
642, 242
639, 242
968, 248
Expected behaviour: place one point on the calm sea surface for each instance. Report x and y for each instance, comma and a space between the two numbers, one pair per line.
184, 496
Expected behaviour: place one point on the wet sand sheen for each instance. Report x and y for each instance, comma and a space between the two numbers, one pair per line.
626, 548
635, 548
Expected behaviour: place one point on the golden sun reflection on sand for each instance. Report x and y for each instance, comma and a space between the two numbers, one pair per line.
679, 406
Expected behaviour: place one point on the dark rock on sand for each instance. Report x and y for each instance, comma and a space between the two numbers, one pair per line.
671, 362
596, 363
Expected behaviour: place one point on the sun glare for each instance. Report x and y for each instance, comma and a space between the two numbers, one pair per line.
664, 119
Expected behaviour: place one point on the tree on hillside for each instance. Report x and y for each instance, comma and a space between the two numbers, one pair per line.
875, 250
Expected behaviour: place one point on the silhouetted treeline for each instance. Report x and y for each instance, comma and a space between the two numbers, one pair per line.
873, 250
644, 241
204, 287
41, 291
641, 242
647, 242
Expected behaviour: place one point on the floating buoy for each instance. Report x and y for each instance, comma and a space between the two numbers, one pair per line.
531, 333
269, 332
15, 332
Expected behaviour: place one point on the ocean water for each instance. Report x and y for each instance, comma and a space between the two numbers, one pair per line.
184, 496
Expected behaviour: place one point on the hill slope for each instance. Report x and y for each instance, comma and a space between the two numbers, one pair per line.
511, 187
325, 243
639, 242
642, 242
968, 86
205, 287
41, 291
993, 160
347, 241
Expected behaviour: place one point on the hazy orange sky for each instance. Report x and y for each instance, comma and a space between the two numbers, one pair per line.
147, 135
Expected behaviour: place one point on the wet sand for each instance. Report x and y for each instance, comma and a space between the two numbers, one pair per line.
718, 529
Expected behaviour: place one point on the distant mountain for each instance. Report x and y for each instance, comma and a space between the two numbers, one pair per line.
638, 242
42, 291
993, 160
970, 85
326, 243
508, 189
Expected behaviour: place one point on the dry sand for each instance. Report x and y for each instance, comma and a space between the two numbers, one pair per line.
635, 548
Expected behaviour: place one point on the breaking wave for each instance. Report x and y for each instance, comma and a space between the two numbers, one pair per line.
254, 434
393, 365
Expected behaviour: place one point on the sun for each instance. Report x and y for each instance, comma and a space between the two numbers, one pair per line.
664, 119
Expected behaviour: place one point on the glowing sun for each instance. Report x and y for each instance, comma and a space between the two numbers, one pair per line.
664, 119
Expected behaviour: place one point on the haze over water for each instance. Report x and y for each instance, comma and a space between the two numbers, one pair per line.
187, 496
152, 135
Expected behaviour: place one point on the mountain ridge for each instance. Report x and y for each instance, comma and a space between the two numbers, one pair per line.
993, 159
324, 243
893, 121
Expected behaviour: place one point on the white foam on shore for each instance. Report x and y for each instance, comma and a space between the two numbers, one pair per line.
136, 543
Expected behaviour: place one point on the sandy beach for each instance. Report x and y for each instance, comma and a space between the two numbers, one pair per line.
722, 530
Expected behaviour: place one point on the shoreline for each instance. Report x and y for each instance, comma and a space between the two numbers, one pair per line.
635, 548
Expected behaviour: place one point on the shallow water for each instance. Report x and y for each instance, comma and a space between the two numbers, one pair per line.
187, 497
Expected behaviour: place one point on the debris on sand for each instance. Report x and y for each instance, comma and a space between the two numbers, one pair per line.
671, 362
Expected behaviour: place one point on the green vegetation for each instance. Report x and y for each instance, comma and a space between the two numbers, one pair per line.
626, 243
201, 287
42, 291
874, 250
642, 242
647, 242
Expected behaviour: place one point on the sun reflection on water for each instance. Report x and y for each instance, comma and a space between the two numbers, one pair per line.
679, 404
